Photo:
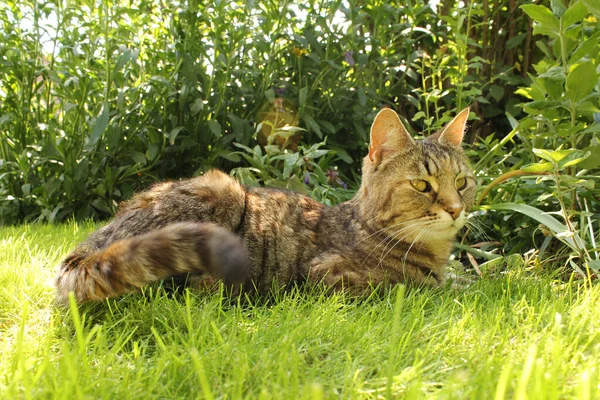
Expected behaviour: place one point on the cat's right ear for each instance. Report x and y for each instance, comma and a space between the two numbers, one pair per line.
388, 135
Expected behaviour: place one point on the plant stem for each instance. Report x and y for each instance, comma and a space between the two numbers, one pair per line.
505, 177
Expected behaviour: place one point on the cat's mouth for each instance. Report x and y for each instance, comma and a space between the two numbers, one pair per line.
446, 228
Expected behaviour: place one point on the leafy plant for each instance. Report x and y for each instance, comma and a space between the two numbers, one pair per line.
307, 171
99, 100
563, 104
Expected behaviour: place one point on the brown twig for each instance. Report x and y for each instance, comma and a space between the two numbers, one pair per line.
474, 264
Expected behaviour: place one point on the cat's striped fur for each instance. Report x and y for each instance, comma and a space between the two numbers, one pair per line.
213, 228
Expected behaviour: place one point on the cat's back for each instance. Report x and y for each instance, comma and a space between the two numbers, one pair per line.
278, 227
280, 232
213, 197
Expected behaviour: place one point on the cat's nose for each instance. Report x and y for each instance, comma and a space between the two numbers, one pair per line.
454, 211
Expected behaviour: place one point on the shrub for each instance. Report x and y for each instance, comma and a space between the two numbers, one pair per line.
99, 99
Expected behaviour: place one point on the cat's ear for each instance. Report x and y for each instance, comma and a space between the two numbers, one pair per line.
453, 133
387, 135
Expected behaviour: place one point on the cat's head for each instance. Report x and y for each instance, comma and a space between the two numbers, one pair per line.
421, 188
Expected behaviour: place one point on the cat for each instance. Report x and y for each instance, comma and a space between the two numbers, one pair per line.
398, 228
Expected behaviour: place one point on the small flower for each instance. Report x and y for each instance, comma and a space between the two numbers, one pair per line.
306, 178
297, 51
334, 179
349, 59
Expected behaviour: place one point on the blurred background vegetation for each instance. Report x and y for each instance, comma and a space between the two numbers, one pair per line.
99, 99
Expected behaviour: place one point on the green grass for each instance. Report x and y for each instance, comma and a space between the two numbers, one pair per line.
514, 336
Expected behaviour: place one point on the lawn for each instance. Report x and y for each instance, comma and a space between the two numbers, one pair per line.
515, 335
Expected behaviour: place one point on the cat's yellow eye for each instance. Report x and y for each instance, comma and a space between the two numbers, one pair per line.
420, 185
461, 183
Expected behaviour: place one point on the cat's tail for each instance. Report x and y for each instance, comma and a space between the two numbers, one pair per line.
176, 249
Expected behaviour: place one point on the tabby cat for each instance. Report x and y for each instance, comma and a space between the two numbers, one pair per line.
399, 227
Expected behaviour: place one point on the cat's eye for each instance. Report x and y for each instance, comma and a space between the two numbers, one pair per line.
461, 183
420, 185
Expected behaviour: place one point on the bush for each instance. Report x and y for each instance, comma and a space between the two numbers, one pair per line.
97, 101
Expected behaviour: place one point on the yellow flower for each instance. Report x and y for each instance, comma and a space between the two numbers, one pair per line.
298, 51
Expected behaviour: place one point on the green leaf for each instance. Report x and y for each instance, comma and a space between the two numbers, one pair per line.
295, 184
100, 204
302, 95
5, 118
558, 8
537, 167
152, 151
342, 154
496, 92
229, 155
362, 97
547, 23
581, 81
593, 6
479, 253
188, 69
215, 127
554, 73
81, 170
138, 157
593, 161
49, 146
289, 162
270, 95
122, 60
312, 124
196, 106
560, 230
173, 134
561, 158
515, 41
593, 264
574, 14
99, 125
574, 158
594, 128
585, 49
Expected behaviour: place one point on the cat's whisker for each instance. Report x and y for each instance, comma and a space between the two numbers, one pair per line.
388, 238
380, 231
413, 242
395, 244
479, 228
393, 236
383, 256
398, 234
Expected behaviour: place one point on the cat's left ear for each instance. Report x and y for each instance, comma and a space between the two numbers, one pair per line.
453, 133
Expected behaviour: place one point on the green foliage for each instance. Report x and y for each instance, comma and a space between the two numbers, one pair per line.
304, 171
97, 100
559, 128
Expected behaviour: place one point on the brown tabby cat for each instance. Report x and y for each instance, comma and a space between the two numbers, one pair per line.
399, 227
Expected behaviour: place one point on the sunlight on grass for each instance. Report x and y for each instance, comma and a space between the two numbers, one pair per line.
507, 337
